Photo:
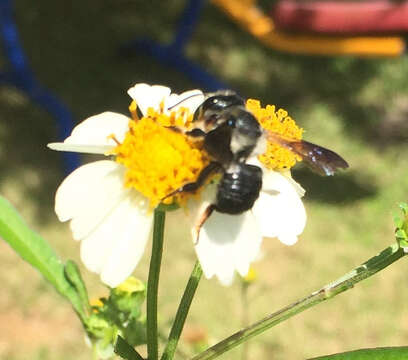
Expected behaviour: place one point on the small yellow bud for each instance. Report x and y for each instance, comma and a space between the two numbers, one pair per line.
96, 304
251, 277
130, 285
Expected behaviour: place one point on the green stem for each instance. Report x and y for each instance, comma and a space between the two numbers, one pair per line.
95, 355
346, 282
182, 312
245, 316
153, 284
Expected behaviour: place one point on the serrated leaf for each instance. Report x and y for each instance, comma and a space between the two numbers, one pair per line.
125, 351
390, 353
37, 252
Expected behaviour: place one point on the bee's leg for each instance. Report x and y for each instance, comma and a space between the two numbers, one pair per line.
196, 133
174, 128
201, 220
210, 169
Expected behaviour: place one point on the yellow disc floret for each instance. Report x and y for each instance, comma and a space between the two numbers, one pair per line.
279, 123
181, 118
159, 160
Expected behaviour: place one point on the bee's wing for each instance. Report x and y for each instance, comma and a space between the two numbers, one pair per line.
321, 160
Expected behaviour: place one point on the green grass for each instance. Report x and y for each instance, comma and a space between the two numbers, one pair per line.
358, 107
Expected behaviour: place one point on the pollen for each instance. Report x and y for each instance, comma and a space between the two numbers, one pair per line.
160, 159
181, 118
277, 122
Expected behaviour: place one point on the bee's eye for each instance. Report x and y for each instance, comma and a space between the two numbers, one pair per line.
231, 122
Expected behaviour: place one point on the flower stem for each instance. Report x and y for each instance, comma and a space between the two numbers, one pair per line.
182, 312
245, 316
346, 282
153, 284
95, 355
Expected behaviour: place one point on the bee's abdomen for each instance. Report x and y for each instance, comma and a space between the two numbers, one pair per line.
238, 190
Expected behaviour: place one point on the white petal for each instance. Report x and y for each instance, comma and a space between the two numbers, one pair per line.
228, 243
148, 96
86, 149
151, 96
95, 249
279, 210
248, 245
131, 240
88, 194
273, 181
299, 189
115, 247
288, 239
96, 130
197, 207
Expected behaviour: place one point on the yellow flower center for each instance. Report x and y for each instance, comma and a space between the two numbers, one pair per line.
160, 160
278, 122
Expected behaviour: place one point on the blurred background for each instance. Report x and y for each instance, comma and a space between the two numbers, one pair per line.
355, 106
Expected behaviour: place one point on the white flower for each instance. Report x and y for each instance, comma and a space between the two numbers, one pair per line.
114, 222
232, 242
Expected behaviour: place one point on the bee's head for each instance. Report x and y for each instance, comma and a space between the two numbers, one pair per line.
215, 103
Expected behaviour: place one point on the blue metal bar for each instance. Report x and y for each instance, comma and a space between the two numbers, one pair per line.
187, 24
21, 76
173, 54
10, 36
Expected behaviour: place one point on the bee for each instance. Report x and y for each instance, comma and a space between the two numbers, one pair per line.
231, 135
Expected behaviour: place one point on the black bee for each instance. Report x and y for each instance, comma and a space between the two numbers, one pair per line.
231, 135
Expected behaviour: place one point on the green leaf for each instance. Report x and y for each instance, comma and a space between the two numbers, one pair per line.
73, 275
37, 252
390, 353
401, 234
135, 332
398, 221
401, 231
122, 311
125, 351
404, 207
403, 243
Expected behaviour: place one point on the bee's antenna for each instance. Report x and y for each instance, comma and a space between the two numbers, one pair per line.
181, 101
206, 96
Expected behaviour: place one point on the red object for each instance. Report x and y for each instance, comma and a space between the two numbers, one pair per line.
342, 17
